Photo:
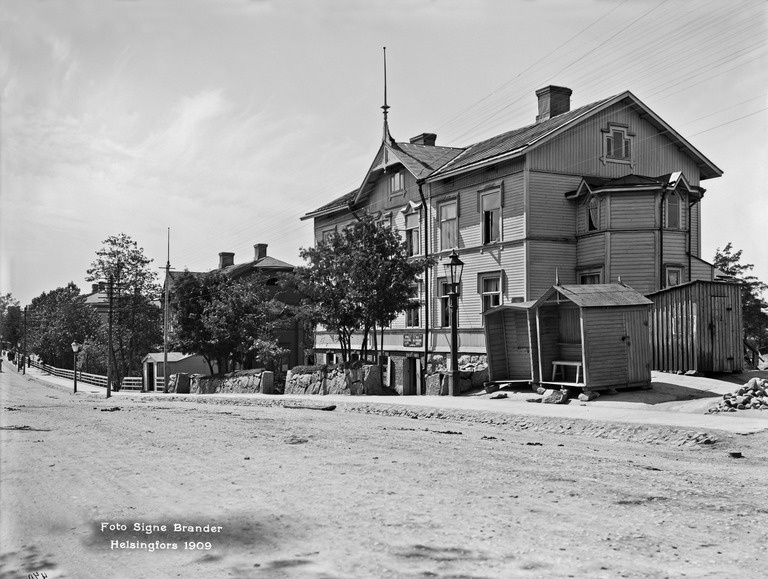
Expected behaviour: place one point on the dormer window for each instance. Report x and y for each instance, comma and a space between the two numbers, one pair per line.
593, 214
673, 206
617, 144
396, 183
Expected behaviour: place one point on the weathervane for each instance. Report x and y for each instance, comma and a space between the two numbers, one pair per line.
387, 137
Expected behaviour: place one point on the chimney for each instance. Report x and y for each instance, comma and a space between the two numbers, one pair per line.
553, 101
226, 258
424, 139
259, 251
95, 288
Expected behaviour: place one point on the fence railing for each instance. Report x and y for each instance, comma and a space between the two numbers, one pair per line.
128, 383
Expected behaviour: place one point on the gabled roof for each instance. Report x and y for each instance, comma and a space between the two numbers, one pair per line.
519, 141
338, 204
670, 181
595, 295
265, 264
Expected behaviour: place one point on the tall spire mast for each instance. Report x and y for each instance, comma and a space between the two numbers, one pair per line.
387, 138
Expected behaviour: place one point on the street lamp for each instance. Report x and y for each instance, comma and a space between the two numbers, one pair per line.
453, 270
75, 349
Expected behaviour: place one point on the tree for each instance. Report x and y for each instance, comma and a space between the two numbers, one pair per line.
10, 321
358, 279
136, 314
56, 319
754, 307
231, 322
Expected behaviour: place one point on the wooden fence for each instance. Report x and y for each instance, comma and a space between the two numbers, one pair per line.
128, 383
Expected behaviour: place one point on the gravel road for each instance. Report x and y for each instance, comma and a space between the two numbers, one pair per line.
133, 488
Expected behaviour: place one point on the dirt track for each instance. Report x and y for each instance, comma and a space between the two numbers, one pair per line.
305, 493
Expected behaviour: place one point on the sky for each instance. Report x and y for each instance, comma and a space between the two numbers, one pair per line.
225, 121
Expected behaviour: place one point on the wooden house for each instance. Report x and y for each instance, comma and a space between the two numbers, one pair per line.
697, 326
595, 192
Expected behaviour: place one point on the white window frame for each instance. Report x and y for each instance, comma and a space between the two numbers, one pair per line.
444, 301
673, 269
487, 238
487, 297
415, 305
667, 211
452, 222
591, 272
412, 239
593, 224
396, 183
627, 148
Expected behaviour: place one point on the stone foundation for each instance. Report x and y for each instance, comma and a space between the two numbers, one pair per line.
241, 382
355, 380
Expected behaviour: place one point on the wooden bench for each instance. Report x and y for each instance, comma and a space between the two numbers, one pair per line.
560, 365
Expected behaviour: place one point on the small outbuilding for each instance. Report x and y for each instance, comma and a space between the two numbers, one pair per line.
154, 372
697, 326
594, 337
510, 343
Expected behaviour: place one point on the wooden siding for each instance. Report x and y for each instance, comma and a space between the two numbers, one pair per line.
590, 251
697, 326
578, 150
549, 213
633, 257
633, 210
604, 350
546, 261
508, 346
548, 335
696, 230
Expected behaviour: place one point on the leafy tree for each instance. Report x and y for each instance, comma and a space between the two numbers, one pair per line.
754, 307
359, 279
11, 327
56, 319
136, 314
229, 321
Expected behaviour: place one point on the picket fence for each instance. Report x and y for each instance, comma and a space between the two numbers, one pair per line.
128, 383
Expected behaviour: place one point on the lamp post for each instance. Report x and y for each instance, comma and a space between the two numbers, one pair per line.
453, 270
75, 349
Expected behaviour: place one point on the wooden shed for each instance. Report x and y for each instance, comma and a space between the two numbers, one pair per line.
154, 373
697, 326
593, 336
510, 343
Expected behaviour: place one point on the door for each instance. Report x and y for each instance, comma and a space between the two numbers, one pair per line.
638, 341
409, 377
721, 329
150, 377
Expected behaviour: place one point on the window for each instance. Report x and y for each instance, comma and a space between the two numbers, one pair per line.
412, 233
449, 225
593, 214
412, 315
385, 220
617, 144
490, 207
328, 234
396, 183
444, 291
673, 211
412, 310
591, 276
674, 275
490, 290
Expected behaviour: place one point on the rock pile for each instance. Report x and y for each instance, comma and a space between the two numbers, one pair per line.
753, 395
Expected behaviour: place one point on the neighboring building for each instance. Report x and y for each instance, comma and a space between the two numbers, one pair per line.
153, 367
99, 300
269, 269
584, 195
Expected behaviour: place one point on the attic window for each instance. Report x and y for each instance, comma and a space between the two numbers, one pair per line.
396, 183
617, 144
593, 214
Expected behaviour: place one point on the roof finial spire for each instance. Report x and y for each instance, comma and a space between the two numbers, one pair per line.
387, 137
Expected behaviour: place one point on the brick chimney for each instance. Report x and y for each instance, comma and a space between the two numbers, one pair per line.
226, 258
95, 288
553, 101
424, 139
259, 251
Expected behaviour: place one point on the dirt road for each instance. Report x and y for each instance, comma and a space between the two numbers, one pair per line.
130, 489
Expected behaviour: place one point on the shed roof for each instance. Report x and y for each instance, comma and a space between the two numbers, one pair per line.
172, 357
595, 295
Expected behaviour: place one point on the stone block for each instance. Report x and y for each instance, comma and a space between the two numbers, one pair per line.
267, 383
181, 385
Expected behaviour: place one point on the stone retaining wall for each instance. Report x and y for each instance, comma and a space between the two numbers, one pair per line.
355, 380
240, 382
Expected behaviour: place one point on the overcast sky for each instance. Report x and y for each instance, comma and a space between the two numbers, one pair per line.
227, 120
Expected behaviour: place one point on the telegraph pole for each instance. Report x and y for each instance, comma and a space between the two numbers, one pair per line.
109, 339
24, 356
165, 316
